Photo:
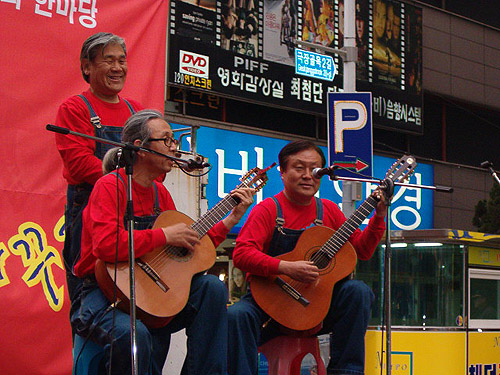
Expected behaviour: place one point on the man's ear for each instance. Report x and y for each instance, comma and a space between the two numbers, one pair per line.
86, 66
139, 143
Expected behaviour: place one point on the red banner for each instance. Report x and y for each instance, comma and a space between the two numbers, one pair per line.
40, 68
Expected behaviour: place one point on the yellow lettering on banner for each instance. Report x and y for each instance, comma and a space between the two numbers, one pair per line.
59, 230
38, 257
4, 254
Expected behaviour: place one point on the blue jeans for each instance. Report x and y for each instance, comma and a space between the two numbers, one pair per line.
77, 199
347, 319
204, 317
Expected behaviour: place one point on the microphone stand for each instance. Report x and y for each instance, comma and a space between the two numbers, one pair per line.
489, 165
128, 158
182, 163
387, 316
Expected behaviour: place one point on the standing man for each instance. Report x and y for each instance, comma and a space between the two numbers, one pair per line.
104, 236
273, 228
100, 112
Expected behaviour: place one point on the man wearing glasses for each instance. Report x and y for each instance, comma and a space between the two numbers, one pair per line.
101, 112
104, 236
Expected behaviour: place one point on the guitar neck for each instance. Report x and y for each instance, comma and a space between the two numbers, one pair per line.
215, 214
341, 236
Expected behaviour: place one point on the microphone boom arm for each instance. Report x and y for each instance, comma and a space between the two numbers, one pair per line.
330, 171
189, 164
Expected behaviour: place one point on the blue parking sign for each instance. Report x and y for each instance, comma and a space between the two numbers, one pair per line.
350, 142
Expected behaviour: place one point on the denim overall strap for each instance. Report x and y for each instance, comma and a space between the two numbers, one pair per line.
147, 221
285, 239
111, 133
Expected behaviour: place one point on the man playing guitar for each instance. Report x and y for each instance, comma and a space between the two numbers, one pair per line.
273, 228
104, 236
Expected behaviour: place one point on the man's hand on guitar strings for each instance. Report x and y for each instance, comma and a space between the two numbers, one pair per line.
300, 270
181, 235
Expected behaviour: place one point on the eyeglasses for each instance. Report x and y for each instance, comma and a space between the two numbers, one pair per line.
167, 141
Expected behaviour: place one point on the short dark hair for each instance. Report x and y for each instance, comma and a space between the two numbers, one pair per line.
92, 45
296, 146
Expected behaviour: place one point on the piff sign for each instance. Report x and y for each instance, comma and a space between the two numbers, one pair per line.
350, 133
193, 64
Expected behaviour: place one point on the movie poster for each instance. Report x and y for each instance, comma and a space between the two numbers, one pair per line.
387, 47
362, 38
195, 19
240, 27
318, 22
280, 30
414, 51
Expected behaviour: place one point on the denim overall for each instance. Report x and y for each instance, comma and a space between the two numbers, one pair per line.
203, 317
347, 318
77, 199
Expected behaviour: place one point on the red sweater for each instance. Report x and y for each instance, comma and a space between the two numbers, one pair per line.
80, 164
100, 224
254, 238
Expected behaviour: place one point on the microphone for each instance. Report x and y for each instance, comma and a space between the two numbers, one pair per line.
193, 164
486, 164
320, 172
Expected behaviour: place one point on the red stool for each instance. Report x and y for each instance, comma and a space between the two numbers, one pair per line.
284, 354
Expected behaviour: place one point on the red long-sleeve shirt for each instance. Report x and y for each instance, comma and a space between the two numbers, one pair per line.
80, 164
100, 223
254, 238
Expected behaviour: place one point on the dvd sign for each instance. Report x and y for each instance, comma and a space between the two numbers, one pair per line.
193, 64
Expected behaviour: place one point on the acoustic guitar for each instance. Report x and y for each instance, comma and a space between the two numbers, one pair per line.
163, 276
303, 306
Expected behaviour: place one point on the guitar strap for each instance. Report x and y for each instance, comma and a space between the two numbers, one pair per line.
284, 239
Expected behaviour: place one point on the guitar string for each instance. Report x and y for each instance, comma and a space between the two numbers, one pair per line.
341, 236
202, 226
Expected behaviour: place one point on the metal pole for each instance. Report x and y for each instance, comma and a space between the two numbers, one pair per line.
349, 61
131, 255
387, 291
349, 43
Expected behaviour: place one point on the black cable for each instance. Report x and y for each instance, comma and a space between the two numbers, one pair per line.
116, 258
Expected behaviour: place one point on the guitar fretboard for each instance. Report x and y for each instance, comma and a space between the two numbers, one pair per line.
215, 214
341, 236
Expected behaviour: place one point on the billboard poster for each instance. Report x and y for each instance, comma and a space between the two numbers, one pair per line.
195, 19
280, 28
249, 48
241, 27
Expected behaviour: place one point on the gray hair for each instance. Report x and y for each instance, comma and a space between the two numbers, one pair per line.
137, 127
91, 46
110, 160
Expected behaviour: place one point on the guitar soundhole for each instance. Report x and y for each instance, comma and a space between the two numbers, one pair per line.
322, 260
178, 253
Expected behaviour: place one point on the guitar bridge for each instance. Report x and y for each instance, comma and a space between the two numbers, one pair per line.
291, 291
153, 275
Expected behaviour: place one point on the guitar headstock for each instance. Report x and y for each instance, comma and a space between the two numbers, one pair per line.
255, 178
402, 169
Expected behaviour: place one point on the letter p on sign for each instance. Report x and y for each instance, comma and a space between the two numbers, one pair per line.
349, 115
